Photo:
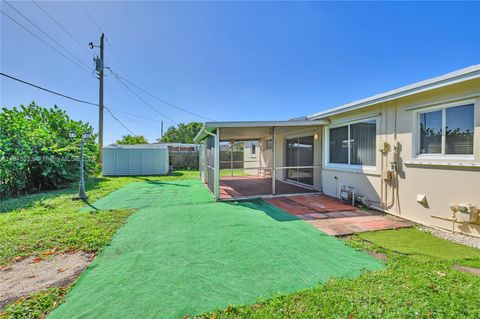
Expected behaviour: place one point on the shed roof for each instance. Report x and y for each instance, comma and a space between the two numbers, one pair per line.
135, 146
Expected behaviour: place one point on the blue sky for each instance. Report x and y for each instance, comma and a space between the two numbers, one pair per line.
234, 61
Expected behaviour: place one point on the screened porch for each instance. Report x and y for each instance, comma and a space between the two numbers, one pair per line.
260, 159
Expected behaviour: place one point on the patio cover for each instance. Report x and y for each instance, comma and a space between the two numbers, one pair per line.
254, 126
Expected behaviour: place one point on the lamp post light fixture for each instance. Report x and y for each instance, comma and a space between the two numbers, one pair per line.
81, 188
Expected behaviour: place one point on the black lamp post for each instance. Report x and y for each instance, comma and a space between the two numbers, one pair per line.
81, 188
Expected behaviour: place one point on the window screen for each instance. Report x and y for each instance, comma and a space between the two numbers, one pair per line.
431, 132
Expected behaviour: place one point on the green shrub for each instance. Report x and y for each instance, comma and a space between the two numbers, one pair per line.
36, 152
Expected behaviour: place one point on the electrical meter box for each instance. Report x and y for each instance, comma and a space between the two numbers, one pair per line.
387, 175
383, 146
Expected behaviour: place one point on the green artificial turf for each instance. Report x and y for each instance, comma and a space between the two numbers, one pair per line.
418, 282
183, 254
421, 245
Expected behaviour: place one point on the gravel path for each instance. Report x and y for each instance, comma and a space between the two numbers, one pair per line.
455, 237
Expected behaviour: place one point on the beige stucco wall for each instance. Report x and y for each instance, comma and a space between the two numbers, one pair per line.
443, 181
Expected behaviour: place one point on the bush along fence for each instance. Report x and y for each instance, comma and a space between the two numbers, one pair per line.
183, 159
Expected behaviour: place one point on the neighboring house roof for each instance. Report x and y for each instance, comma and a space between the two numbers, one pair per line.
179, 144
469, 73
209, 127
136, 146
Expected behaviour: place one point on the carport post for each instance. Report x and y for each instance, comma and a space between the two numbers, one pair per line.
216, 165
274, 171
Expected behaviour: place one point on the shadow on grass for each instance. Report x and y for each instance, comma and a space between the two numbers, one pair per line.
29, 200
95, 209
267, 209
157, 182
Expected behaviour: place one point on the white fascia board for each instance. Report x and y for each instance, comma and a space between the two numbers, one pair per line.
469, 73
204, 132
210, 125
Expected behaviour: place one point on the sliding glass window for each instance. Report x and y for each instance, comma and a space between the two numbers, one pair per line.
447, 130
353, 144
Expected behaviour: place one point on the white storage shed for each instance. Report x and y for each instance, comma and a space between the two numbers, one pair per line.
139, 159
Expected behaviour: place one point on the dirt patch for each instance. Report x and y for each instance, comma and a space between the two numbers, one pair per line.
470, 270
33, 274
380, 256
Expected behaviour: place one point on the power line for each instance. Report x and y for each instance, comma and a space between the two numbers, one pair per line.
65, 96
135, 115
116, 56
91, 18
161, 100
106, 39
141, 99
115, 118
133, 119
137, 87
46, 34
61, 27
47, 90
72, 98
44, 42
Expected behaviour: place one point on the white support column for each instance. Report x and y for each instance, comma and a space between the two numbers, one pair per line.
274, 171
216, 185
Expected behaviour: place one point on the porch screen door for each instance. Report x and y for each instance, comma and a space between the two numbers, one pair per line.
300, 153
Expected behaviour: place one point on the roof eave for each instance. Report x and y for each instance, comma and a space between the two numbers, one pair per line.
209, 127
462, 75
240, 124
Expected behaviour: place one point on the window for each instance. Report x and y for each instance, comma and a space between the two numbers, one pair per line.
269, 144
254, 150
446, 131
353, 144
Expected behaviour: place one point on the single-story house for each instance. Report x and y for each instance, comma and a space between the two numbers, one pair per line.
412, 152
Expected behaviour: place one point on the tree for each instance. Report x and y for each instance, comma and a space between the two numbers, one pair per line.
184, 133
132, 139
36, 152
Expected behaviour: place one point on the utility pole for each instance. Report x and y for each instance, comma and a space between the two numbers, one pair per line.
100, 102
161, 132
99, 67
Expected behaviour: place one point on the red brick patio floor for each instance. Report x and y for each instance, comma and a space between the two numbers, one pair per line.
335, 218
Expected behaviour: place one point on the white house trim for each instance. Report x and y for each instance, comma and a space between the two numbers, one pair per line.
469, 73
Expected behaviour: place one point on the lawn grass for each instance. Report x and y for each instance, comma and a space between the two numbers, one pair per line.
406, 241
37, 305
418, 282
34, 224
39, 223
233, 173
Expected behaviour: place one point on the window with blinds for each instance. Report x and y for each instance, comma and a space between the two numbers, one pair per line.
353, 144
